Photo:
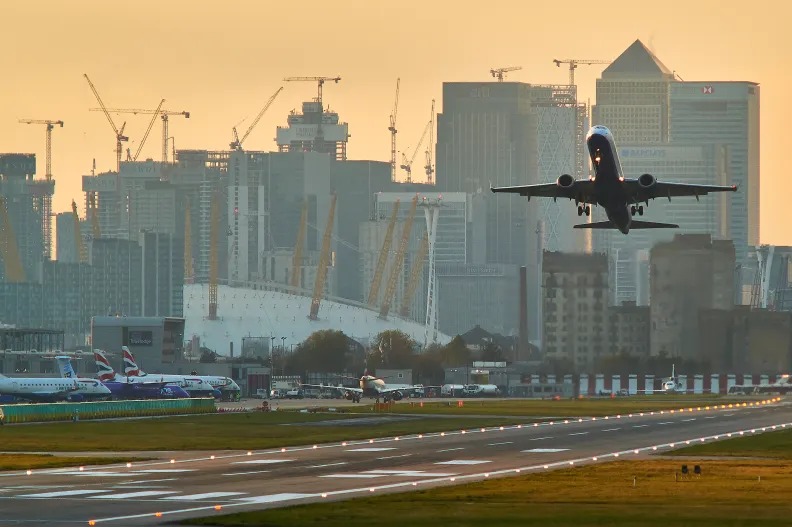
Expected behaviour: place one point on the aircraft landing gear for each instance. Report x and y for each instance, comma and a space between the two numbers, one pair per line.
582, 209
638, 209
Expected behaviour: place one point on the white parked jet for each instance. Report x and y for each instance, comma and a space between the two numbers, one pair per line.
51, 389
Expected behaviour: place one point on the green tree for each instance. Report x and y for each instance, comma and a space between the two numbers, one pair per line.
396, 349
322, 351
455, 353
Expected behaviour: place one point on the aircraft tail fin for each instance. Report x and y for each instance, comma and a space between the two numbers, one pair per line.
635, 224
65, 367
104, 371
130, 366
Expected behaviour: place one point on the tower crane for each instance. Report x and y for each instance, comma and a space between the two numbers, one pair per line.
407, 163
415, 273
429, 167
236, 144
320, 82
383, 256
399, 261
498, 72
14, 272
118, 133
392, 129
573, 64
50, 125
164, 114
298, 247
324, 261
79, 245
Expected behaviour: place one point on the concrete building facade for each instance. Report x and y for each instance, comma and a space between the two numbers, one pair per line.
629, 329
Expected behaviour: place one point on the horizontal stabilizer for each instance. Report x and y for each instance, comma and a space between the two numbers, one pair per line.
635, 224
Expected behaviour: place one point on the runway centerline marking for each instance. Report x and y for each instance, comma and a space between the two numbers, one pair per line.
666, 423
540, 438
63, 493
205, 495
451, 449
393, 457
688, 420
261, 461
545, 450
328, 465
463, 462
639, 426
578, 433
610, 429
371, 449
140, 494
501, 443
245, 473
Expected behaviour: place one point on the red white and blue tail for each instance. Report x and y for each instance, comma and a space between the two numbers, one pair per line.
130, 366
104, 371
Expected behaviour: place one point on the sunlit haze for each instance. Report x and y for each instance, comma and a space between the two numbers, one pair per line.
221, 61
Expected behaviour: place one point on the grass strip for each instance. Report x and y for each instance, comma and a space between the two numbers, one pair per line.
39, 461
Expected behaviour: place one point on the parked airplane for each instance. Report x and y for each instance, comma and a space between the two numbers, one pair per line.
192, 385
671, 385
781, 385
620, 197
51, 389
372, 386
228, 388
127, 390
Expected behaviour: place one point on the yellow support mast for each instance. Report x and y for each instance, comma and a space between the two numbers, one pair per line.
415, 273
399, 262
14, 272
324, 261
383, 257
298, 247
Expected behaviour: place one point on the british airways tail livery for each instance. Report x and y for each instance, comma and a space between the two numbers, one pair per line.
622, 198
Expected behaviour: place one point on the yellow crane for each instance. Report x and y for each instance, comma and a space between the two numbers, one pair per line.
189, 277
50, 126
236, 144
407, 163
14, 272
214, 220
399, 261
383, 257
573, 64
119, 134
79, 244
498, 73
415, 273
324, 261
320, 82
429, 166
298, 247
164, 115
392, 129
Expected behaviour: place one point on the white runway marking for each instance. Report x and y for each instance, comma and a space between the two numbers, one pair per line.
64, 493
98, 474
579, 434
545, 450
411, 473
146, 481
272, 498
371, 449
710, 417
639, 426
352, 475
451, 449
163, 470
245, 473
393, 457
328, 465
688, 420
666, 423
727, 415
205, 495
464, 462
611, 429
501, 443
540, 438
141, 494
261, 461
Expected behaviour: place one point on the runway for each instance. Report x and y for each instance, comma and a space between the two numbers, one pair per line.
198, 484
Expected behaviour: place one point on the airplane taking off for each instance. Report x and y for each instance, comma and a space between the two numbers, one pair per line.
373, 387
620, 197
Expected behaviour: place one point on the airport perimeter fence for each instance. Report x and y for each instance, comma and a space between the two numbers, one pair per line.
28, 413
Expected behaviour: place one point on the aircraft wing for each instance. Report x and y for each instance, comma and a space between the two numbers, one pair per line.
579, 190
401, 389
331, 387
672, 190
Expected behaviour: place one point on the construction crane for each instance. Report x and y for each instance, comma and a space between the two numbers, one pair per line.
399, 261
298, 247
189, 277
320, 82
407, 163
383, 256
14, 272
95, 230
415, 273
573, 64
236, 144
429, 166
392, 129
79, 245
118, 133
324, 261
498, 72
214, 221
50, 125
164, 115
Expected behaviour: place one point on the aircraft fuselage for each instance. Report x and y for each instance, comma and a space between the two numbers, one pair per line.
608, 177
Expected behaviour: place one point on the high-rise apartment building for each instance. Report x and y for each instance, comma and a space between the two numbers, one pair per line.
162, 275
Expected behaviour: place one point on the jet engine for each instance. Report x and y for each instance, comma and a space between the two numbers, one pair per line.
647, 180
397, 396
565, 181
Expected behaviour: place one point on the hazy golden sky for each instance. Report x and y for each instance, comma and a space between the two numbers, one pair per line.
222, 61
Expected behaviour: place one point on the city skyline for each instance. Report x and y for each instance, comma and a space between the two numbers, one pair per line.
223, 76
